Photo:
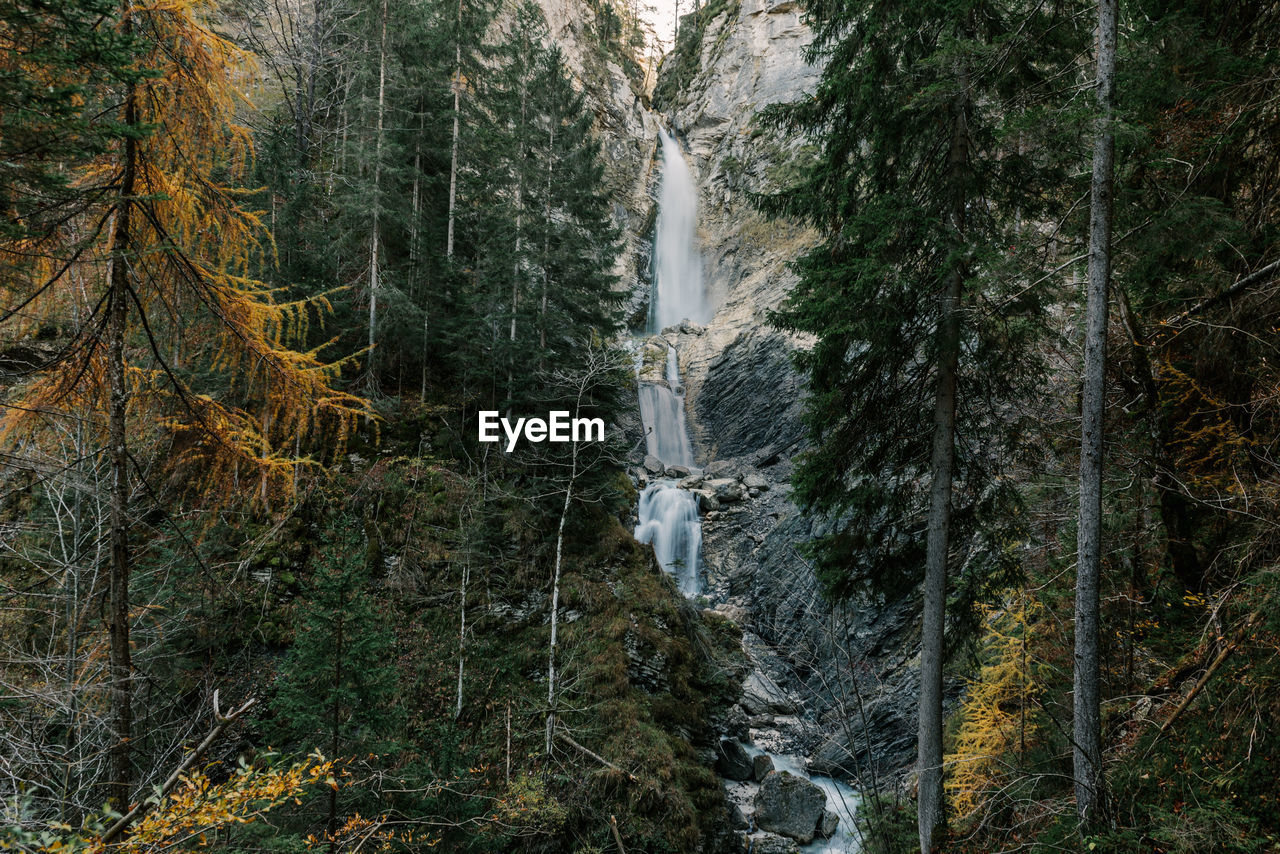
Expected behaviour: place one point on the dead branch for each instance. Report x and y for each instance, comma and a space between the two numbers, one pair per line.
220, 723
596, 756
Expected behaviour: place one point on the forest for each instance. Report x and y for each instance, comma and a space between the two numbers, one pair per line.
947, 521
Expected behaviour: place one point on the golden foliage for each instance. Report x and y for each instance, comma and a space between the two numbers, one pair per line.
994, 714
1207, 444
187, 817
193, 306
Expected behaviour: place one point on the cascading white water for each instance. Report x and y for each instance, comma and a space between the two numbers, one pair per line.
669, 520
662, 413
678, 293
668, 515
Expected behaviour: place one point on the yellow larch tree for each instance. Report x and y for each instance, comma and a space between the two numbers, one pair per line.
997, 714
158, 326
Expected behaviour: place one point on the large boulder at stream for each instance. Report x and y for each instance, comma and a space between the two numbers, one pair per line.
732, 761
761, 766
790, 805
770, 843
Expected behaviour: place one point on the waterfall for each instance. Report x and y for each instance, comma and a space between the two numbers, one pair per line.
669, 520
678, 293
668, 515
662, 412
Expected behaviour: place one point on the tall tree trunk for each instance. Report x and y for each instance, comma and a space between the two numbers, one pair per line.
462, 632
374, 240
517, 271
929, 760
453, 156
1090, 784
931, 809
335, 725
555, 601
120, 655
546, 248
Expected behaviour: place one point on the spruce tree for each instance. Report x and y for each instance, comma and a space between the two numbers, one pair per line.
336, 691
923, 316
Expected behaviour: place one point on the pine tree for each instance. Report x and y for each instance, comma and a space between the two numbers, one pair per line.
56, 59
923, 316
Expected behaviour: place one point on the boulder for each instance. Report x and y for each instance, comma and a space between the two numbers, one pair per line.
761, 766
727, 490
693, 481
755, 481
827, 824
789, 805
769, 843
677, 471
735, 722
653, 465
732, 760
707, 500
722, 469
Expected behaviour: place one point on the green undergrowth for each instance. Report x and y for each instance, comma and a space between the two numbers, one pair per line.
641, 671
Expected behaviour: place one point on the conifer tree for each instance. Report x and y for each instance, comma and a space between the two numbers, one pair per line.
922, 315
55, 60
336, 692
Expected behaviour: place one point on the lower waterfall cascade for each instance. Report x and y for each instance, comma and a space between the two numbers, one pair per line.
668, 514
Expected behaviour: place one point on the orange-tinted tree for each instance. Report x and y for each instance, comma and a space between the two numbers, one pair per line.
152, 321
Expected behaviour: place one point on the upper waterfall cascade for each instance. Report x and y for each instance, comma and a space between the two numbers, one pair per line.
678, 289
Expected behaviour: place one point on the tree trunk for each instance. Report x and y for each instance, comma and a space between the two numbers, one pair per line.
555, 603
518, 267
462, 633
335, 727
120, 654
931, 809
1086, 725
546, 248
453, 157
929, 760
377, 189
